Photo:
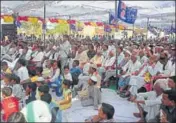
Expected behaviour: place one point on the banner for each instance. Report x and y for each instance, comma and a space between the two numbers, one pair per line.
112, 20
73, 27
107, 28
8, 19
126, 14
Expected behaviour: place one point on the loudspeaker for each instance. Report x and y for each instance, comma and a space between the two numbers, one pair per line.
9, 30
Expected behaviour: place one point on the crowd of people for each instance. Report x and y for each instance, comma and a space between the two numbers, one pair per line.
31, 72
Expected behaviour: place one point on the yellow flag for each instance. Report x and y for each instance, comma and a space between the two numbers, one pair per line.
8, 19
62, 21
33, 20
93, 24
121, 27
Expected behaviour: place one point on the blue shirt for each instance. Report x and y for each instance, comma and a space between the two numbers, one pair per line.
75, 70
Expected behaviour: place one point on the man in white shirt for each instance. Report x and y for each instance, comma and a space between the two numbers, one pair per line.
37, 111
151, 101
65, 48
143, 57
38, 57
139, 77
132, 66
22, 71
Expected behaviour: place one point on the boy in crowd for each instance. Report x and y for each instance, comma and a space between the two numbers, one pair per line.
30, 92
9, 104
56, 113
105, 114
92, 95
44, 89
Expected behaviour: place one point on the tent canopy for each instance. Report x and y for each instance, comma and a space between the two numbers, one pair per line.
161, 13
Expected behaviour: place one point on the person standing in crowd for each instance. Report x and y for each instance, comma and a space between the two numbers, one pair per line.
64, 51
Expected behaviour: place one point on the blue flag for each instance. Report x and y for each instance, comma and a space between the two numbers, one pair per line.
72, 26
112, 20
126, 14
18, 23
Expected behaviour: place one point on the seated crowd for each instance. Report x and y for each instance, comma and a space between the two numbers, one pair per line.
33, 75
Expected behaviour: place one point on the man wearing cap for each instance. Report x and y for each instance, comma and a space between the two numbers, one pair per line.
93, 72
91, 97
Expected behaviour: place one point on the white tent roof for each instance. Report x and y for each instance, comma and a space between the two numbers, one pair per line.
161, 13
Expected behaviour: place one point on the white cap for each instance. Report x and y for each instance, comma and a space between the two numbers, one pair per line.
94, 78
40, 79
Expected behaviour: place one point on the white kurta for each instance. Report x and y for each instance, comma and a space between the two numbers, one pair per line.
39, 57
22, 72
169, 69
28, 55
120, 57
55, 76
152, 103
40, 111
132, 67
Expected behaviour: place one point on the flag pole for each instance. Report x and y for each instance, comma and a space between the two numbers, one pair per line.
147, 27
44, 30
116, 41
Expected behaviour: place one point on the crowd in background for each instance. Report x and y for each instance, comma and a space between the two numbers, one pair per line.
144, 73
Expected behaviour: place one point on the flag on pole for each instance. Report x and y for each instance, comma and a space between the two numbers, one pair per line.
126, 14
18, 23
112, 20
72, 26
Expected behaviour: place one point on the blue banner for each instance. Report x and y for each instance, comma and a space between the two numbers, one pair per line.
112, 18
72, 26
126, 14
18, 23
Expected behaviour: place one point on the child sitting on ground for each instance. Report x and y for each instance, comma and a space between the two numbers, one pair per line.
67, 96
67, 74
9, 103
92, 95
